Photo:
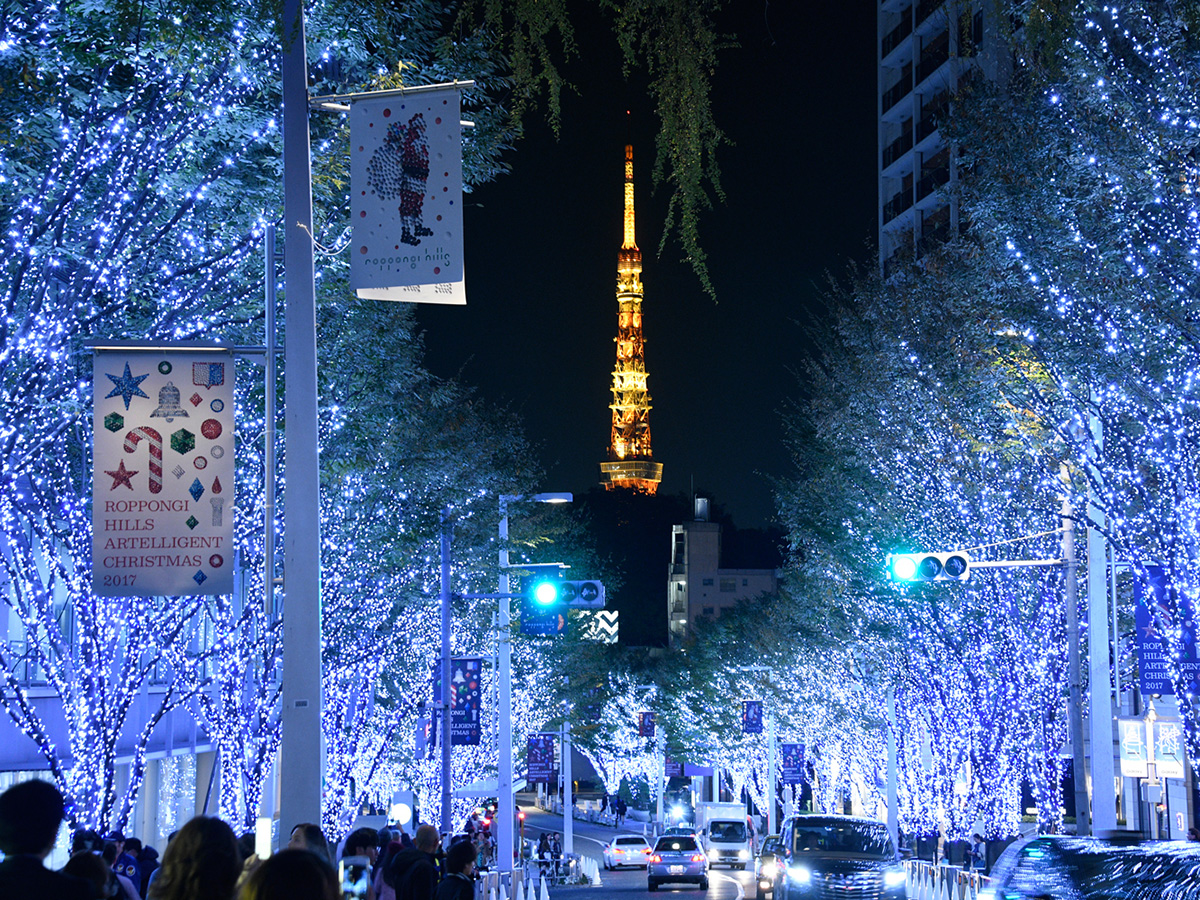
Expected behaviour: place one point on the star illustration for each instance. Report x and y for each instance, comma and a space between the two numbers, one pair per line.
122, 475
127, 386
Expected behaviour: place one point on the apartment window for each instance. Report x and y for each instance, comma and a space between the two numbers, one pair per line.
728, 585
745, 582
707, 582
708, 610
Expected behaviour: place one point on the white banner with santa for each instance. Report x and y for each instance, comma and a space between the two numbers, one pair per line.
163, 470
406, 195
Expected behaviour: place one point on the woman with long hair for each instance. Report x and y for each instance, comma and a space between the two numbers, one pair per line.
201, 863
307, 836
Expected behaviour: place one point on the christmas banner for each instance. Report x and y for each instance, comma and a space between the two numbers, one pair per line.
162, 480
646, 724
1154, 650
465, 700
406, 193
752, 722
791, 764
539, 759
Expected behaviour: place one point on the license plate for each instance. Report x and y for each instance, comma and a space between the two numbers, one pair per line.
677, 870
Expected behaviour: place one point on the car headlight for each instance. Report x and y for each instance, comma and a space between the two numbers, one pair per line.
893, 878
800, 874
743, 854
713, 854
769, 869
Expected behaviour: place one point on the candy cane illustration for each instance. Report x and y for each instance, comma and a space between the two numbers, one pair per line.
156, 451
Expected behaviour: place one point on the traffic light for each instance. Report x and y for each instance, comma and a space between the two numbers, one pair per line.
941, 566
548, 592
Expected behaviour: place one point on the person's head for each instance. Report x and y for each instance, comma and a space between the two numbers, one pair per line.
89, 866
30, 813
292, 874
116, 837
109, 854
1193, 834
245, 845
362, 842
310, 837
426, 839
461, 858
201, 863
85, 840
978, 837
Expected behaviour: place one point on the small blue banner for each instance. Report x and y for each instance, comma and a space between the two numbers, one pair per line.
791, 764
752, 717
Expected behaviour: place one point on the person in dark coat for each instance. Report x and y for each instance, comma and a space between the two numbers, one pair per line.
413, 873
30, 813
459, 883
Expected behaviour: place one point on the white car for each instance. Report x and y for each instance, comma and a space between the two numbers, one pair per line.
627, 850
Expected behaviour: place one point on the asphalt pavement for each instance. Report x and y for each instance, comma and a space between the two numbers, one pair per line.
628, 884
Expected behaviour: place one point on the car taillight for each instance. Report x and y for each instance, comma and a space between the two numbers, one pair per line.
646, 851
656, 858
698, 857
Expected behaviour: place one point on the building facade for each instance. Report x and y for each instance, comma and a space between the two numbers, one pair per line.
697, 586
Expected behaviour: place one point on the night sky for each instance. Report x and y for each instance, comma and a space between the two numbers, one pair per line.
797, 99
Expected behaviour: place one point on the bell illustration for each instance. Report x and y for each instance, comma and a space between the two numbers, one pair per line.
168, 403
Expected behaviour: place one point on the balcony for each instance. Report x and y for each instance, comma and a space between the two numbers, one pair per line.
898, 204
926, 8
893, 38
932, 180
933, 58
897, 148
899, 90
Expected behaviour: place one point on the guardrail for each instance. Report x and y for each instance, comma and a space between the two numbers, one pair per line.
929, 882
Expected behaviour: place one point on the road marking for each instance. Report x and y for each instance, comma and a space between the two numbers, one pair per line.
741, 892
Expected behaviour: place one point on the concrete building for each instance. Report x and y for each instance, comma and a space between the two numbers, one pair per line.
927, 49
697, 586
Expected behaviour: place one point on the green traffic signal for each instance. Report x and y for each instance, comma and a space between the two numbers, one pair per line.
545, 592
937, 566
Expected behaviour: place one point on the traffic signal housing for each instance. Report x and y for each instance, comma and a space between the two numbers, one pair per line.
550, 592
906, 568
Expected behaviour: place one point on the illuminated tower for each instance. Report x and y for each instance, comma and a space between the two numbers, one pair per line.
630, 464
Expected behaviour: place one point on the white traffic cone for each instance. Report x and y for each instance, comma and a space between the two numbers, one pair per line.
544, 893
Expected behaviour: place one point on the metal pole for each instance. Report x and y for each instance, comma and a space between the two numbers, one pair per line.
269, 430
444, 705
506, 810
893, 780
300, 744
772, 775
568, 792
1079, 765
1100, 720
662, 770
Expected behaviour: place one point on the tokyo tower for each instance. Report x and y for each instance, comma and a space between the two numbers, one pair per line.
630, 463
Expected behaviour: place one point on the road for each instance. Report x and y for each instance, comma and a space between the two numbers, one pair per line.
630, 884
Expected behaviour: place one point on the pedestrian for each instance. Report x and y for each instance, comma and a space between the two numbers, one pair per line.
291, 874
459, 881
201, 863
544, 853
978, 855
147, 863
383, 890
358, 859
413, 873
30, 815
93, 868
307, 836
1193, 834
110, 854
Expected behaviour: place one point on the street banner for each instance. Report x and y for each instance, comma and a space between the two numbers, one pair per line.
1155, 653
163, 472
791, 764
406, 196
539, 759
752, 717
1135, 755
646, 724
538, 621
672, 768
1169, 754
466, 697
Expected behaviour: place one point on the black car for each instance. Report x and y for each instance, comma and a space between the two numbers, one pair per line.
767, 865
1094, 869
843, 857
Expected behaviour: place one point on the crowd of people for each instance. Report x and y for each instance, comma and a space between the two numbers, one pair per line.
205, 860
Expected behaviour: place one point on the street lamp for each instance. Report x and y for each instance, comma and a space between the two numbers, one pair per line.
505, 800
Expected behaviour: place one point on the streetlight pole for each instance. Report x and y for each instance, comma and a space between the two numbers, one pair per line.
444, 670
300, 758
506, 807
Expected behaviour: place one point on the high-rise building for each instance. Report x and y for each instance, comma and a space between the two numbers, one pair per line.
630, 463
927, 51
